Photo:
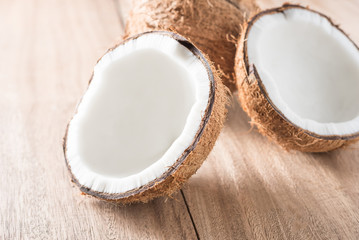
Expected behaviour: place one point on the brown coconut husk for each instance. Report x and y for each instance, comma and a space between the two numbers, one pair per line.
193, 157
269, 120
212, 25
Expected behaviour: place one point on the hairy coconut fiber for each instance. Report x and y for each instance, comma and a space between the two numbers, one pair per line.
265, 116
212, 25
193, 157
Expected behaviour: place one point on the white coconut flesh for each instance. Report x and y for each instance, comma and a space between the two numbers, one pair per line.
141, 111
309, 69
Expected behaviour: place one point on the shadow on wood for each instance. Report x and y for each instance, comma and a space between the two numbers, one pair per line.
251, 188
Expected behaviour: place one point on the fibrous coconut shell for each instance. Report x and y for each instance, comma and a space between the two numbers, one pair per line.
212, 25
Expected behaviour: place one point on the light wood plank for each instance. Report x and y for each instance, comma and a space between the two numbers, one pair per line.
251, 189
48, 50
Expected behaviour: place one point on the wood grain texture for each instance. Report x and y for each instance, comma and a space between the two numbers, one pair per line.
48, 50
248, 188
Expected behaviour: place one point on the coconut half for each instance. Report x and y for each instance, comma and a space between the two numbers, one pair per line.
152, 112
212, 25
298, 79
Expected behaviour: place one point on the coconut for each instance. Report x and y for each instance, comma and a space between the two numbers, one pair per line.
298, 79
151, 114
212, 25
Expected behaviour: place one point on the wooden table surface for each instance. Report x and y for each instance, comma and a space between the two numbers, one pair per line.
247, 189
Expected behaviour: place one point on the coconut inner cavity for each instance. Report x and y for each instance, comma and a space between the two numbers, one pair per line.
141, 111
309, 68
